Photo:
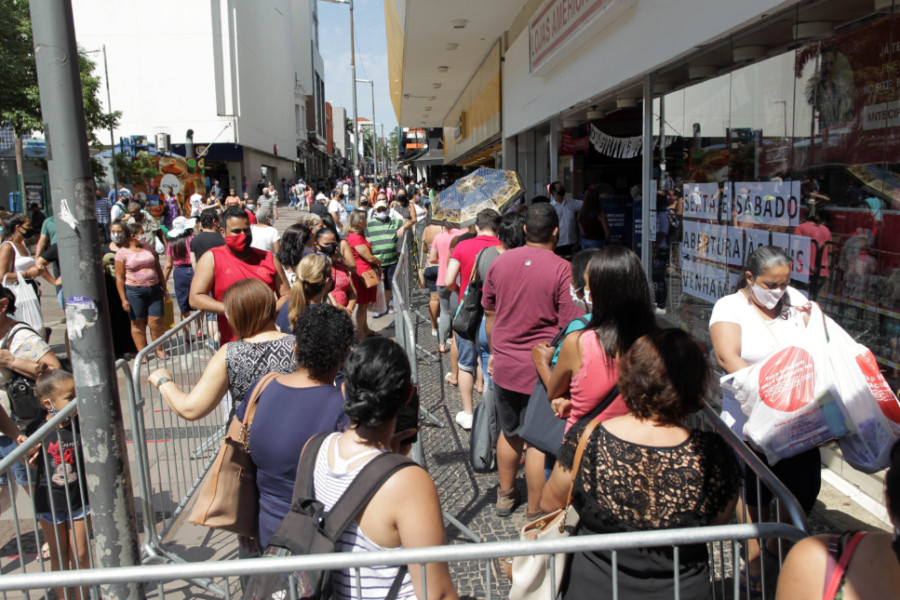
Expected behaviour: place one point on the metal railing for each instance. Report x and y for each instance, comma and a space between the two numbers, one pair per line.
226, 572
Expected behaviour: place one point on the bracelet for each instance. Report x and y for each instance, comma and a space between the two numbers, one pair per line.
161, 381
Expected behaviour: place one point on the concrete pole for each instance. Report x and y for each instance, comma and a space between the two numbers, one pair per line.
72, 190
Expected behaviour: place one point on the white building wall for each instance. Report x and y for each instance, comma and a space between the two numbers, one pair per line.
607, 55
163, 67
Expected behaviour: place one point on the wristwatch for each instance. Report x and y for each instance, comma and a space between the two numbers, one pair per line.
161, 381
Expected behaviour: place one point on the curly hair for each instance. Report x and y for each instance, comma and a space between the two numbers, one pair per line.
377, 378
664, 377
325, 335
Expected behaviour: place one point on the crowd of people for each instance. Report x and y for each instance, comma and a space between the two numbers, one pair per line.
296, 304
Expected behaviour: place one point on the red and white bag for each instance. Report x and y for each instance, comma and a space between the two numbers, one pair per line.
790, 396
871, 404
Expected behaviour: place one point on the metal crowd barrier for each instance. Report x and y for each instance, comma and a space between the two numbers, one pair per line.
171, 454
23, 553
226, 572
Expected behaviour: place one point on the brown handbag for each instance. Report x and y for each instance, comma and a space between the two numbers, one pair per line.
229, 499
370, 278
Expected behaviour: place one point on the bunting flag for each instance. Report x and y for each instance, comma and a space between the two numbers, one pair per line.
624, 147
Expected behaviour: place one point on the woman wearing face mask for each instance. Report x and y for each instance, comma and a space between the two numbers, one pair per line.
761, 316
344, 294
617, 295
16, 259
123, 343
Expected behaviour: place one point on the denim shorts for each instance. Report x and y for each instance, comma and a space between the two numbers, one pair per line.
7, 445
389, 271
145, 301
62, 515
468, 356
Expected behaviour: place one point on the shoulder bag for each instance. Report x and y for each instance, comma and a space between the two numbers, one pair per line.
229, 498
308, 529
541, 427
531, 576
23, 404
467, 321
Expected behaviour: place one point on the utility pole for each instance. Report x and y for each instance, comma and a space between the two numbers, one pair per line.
87, 311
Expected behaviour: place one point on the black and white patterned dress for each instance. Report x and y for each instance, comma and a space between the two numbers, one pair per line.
246, 362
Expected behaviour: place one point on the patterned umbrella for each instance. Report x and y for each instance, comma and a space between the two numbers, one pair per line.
484, 188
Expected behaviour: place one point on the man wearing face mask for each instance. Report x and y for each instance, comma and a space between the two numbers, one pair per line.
567, 212
402, 208
220, 267
383, 231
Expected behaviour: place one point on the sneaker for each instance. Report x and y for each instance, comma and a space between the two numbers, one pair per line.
464, 419
506, 502
434, 333
659, 311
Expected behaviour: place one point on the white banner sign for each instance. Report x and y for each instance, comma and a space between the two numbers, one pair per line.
755, 238
772, 203
797, 247
736, 247
706, 281
718, 243
710, 201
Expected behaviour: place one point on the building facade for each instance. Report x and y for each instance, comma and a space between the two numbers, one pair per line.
738, 130
238, 74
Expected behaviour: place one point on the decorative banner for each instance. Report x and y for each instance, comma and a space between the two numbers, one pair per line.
707, 281
772, 203
625, 147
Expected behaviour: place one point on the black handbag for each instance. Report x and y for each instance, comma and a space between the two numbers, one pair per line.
541, 427
23, 403
467, 321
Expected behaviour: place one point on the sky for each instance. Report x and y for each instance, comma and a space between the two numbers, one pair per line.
371, 59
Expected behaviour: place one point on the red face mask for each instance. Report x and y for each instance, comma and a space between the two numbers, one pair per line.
240, 243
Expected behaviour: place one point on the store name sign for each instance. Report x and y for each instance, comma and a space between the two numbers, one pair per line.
557, 22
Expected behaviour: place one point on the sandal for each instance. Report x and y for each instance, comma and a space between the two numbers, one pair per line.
755, 583
378, 315
163, 356
447, 379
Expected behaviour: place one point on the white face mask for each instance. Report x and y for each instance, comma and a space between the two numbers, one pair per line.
578, 302
381, 216
587, 300
766, 297
116, 237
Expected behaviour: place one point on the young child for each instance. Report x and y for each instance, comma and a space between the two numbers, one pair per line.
60, 497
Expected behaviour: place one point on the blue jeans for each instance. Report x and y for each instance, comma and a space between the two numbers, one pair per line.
485, 350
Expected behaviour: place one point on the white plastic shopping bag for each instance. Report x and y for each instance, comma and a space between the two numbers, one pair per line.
871, 404
380, 304
28, 305
790, 397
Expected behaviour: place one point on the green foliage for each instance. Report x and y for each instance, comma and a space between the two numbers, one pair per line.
146, 168
124, 169
20, 104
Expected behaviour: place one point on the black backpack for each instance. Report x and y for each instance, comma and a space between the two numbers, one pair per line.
307, 529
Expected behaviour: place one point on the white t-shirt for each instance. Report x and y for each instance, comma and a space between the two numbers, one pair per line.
196, 205
336, 207
759, 338
264, 238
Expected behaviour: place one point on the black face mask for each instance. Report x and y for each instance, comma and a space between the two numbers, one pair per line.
27, 231
328, 249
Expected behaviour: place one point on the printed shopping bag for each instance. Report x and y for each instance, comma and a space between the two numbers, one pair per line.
790, 396
28, 305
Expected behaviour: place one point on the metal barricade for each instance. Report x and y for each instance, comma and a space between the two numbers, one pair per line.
33, 544
721, 576
172, 455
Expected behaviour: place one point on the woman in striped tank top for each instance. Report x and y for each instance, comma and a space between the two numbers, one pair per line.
405, 512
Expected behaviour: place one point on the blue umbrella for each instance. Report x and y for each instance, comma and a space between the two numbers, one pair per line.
461, 202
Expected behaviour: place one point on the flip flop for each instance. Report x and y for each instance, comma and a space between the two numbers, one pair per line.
163, 356
755, 586
378, 315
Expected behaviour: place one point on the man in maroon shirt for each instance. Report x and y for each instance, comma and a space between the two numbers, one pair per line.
461, 263
526, 301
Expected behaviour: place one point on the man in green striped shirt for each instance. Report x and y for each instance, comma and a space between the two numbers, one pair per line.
383, 231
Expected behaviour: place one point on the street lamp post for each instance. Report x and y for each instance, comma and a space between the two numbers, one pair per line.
112, 137
353, 85
374, 136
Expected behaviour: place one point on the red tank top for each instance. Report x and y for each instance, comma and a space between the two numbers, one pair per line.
230, 269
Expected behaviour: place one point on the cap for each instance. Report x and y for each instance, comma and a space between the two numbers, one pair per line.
380, 204
180, 225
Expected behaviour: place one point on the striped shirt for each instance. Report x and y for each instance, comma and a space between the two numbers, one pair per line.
330, 484
383, 237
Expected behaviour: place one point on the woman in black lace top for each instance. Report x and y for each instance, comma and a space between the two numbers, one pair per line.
646, 470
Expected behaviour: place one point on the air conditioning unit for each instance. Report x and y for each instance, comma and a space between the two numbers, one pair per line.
162, 142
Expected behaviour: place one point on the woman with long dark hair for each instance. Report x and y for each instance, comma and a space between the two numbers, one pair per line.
592, 222
294, 240
16, 259
618, 297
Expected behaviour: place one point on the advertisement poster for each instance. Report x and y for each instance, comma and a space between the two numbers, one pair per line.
184, 177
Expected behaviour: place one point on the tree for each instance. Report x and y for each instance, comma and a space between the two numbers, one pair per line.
20, 103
